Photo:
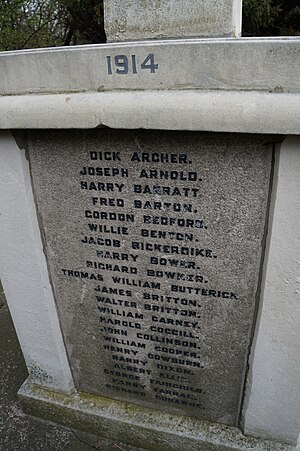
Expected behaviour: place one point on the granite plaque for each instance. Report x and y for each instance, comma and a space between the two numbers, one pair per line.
154, 245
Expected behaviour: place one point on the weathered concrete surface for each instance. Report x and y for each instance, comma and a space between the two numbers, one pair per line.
24, 273
236, 112
227, 85
20, 432
142, 427
256, 64
273, 399
126, 20
227, 197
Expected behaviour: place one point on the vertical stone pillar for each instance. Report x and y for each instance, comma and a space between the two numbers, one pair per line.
24, 274
126, 20
272, 407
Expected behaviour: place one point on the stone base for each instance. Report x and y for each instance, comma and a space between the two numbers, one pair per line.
136, 425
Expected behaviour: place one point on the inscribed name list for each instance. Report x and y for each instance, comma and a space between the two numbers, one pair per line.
154, 247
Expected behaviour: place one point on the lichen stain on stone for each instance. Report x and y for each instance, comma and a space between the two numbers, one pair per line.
147, 428
278, 89
39, 376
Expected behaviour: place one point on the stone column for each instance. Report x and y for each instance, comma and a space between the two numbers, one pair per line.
272, 407
126, 20
24, 274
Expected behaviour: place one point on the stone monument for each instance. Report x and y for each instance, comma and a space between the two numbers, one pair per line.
149, 229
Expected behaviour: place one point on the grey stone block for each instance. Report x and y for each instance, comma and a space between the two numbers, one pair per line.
137, 20
155, 264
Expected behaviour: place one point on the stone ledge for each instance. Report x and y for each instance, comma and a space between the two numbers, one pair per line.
136, 425
219, 111
228, 64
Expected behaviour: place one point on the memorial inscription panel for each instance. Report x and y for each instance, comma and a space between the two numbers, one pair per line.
154, 244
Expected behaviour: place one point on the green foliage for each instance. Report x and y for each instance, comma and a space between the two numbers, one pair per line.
271, 18
85, 21
44, 23
30, 23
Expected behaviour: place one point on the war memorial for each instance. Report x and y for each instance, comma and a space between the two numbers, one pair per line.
150, 218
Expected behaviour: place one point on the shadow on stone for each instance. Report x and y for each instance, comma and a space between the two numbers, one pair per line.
20, 432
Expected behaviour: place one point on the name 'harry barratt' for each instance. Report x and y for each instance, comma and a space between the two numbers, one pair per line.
165, 190
140, 189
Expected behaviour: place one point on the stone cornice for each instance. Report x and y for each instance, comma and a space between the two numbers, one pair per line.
229, 84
